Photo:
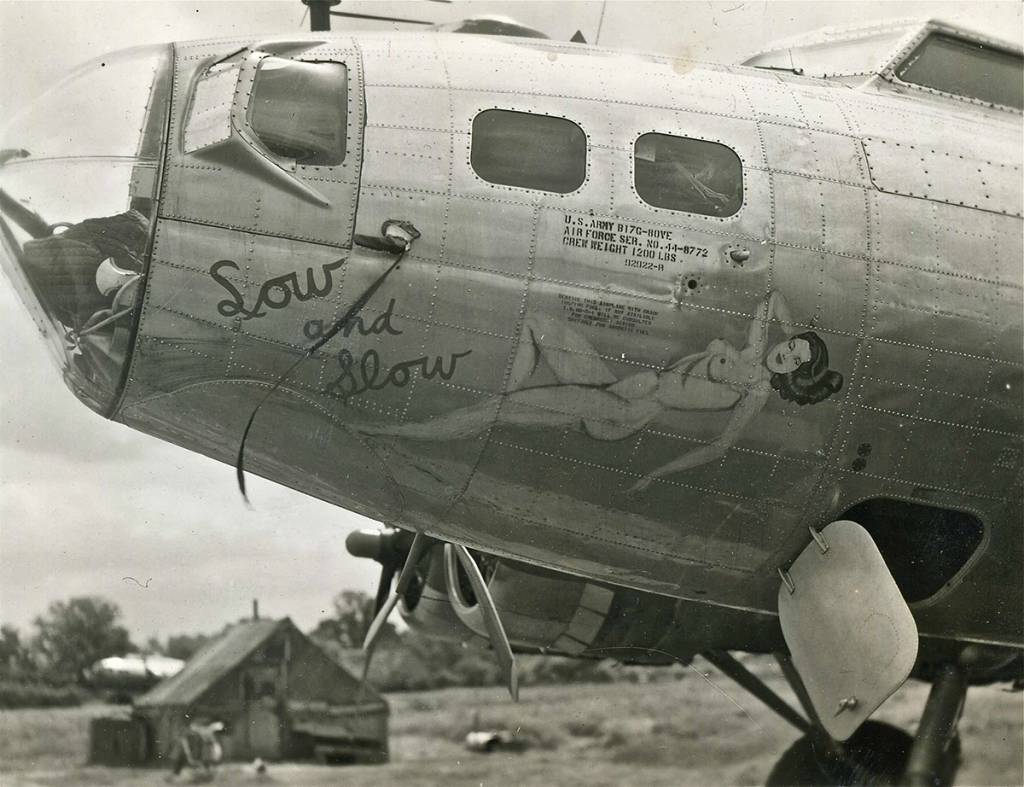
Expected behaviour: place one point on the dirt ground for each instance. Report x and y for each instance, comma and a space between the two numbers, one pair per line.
701, 730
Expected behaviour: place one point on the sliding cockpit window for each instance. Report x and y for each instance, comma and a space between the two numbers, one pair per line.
299, 110
529, 151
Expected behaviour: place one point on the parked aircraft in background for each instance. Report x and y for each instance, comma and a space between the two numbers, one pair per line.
636, 356
122, 677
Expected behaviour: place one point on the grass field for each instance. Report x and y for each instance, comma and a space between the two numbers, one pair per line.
695, 731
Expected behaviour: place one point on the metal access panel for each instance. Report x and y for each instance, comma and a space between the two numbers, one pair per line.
850, 632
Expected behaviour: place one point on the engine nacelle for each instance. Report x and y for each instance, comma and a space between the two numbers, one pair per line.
542, 611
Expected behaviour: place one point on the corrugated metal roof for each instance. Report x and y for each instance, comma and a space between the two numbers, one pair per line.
212, 662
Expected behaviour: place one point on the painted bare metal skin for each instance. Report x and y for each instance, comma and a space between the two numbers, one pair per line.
648, 397
567, 430
590, 398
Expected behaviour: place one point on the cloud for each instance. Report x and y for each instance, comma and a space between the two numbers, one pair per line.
189, 533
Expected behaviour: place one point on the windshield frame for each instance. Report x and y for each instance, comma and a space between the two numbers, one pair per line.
890, 73
156, 128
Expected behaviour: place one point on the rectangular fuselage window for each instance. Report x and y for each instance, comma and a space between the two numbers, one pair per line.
529, 151
688, 175
966, 68
299, 110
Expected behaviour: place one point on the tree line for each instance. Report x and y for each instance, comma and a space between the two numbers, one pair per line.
49, 667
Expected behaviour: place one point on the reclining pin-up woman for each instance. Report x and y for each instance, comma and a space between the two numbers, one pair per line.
590, 397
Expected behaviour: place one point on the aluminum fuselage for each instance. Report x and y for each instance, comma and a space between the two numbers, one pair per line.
890, 224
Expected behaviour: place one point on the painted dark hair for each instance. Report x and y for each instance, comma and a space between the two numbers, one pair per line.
812, 381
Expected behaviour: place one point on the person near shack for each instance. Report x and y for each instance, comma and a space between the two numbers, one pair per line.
199, 749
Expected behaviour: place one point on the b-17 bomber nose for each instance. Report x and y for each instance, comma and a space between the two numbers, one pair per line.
78, 178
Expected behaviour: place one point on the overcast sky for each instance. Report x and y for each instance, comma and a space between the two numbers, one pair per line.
85, 503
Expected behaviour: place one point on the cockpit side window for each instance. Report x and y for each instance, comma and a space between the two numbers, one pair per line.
299, 110
209, 114
688, 175
966, 68
529, 151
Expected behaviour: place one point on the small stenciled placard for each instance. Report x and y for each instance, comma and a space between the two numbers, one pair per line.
628, 246
601, 313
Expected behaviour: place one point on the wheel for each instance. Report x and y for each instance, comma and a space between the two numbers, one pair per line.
874, 755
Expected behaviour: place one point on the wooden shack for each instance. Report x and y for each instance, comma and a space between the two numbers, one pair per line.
278, 694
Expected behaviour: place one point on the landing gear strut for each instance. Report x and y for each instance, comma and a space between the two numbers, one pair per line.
877, 753
936, 753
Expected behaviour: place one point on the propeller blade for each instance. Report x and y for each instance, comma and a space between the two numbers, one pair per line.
373, 632
376, 18
387, 573
496, 632
420, 543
